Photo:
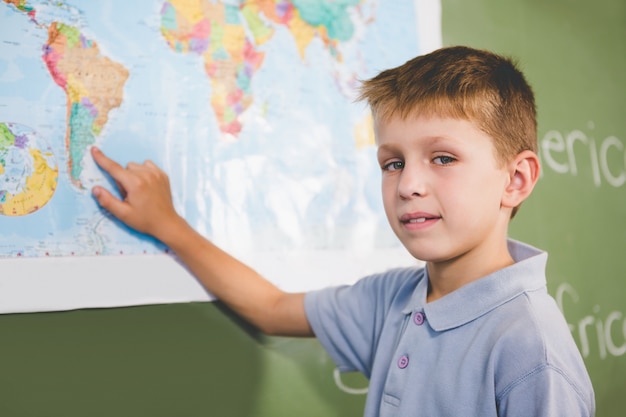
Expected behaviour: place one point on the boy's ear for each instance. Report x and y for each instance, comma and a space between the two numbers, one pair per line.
523, 175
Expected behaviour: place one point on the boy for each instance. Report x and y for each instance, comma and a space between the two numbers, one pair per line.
474, 332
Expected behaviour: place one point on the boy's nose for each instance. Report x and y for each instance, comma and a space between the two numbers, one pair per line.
412, 184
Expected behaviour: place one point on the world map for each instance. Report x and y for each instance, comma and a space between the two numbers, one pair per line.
248, 105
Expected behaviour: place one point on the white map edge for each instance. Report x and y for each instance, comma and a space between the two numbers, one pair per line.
66, 283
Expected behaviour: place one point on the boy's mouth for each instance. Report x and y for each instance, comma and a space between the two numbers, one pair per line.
414, 218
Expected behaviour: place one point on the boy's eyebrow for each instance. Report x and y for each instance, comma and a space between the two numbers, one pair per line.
430, 140
386, 147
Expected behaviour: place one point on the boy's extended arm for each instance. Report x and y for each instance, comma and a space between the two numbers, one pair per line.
148, 208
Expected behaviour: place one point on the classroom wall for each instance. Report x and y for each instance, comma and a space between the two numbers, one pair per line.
197, 359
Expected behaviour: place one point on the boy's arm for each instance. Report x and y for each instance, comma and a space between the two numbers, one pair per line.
147, 207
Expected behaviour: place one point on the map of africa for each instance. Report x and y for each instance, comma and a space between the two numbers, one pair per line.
248, 105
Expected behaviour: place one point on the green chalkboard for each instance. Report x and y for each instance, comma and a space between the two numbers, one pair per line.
574, 54
197, 359
192, 359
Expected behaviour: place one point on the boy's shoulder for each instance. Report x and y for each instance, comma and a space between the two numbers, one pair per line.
534, 347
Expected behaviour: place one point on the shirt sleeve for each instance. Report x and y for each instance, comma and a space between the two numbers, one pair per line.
546, 392
348, 320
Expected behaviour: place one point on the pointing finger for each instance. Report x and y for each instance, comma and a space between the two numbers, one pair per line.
110, 166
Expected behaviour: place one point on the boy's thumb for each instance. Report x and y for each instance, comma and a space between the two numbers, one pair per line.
106, 200
99, 194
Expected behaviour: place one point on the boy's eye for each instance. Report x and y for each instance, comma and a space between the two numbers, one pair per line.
443, 160
393, 166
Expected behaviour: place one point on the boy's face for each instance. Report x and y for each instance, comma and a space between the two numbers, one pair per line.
442, 187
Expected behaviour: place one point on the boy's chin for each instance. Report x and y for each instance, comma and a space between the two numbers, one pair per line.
428, 251
420, 253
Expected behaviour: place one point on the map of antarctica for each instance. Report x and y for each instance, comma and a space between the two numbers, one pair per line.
248, 105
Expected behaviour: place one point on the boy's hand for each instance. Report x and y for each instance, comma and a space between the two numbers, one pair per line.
147, 205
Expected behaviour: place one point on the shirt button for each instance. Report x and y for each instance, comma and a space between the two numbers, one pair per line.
403, 362
418, 318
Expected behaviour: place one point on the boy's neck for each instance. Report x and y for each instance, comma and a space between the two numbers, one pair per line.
450, 275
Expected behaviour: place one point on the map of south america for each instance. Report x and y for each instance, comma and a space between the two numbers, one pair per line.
93, 84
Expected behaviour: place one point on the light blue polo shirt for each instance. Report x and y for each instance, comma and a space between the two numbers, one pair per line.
498, 346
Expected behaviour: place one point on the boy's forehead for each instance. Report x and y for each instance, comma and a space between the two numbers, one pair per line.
432, 127
418, 121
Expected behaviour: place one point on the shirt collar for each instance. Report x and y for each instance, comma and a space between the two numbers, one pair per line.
483, 295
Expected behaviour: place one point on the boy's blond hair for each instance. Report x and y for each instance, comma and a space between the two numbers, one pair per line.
463, 83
